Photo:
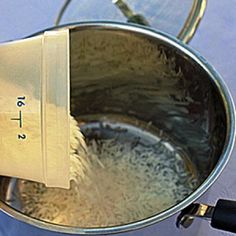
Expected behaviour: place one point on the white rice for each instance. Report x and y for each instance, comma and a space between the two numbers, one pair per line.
125, 183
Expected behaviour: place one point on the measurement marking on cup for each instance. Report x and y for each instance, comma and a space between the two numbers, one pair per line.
20, 119
20, 102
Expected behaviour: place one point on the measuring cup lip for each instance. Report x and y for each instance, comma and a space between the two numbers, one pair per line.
227, 149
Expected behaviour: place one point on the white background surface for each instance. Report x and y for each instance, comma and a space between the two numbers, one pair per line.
215, 40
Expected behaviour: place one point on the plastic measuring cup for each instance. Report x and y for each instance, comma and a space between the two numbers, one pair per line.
34, 108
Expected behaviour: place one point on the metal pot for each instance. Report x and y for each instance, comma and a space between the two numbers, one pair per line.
114, 71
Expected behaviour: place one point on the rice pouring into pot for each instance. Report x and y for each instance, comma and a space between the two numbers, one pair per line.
131, 174
126, 182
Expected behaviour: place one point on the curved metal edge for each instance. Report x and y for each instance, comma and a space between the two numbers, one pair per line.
227, 150
61, 12
195, 16
187, 32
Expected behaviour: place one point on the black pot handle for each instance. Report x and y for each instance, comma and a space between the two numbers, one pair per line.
222, 216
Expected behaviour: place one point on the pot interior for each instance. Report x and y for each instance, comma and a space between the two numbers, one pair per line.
145, 107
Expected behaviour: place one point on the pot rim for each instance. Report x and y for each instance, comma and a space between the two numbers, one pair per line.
224, 158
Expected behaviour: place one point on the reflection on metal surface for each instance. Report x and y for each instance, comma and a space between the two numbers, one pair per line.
130, 71
186, 32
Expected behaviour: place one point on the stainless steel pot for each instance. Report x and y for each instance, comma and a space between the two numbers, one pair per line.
117, 69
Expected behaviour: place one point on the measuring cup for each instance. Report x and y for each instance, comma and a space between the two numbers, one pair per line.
34, 108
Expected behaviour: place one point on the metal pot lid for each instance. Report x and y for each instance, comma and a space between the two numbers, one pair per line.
178, 18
